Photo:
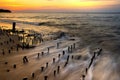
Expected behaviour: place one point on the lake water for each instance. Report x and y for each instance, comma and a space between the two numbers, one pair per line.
100, 28
96, 29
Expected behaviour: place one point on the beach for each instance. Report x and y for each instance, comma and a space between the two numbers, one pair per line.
81, 46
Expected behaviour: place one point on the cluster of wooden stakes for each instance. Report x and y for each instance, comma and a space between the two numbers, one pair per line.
70, 49
57, 71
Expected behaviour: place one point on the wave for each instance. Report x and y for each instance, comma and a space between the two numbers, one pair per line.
47, 23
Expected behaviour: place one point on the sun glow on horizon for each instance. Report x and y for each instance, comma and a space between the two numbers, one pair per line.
55, 4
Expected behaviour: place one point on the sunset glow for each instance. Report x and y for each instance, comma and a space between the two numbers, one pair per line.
19, 5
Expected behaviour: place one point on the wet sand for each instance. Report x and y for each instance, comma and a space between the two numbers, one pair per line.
74, 67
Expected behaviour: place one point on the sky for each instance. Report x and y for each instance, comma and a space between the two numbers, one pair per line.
61, 5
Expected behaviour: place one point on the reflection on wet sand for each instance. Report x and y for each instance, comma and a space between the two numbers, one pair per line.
56, 56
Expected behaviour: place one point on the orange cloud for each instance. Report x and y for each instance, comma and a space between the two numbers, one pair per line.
56, 4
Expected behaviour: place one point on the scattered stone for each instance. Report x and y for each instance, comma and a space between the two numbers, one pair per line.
8, 70
6, 62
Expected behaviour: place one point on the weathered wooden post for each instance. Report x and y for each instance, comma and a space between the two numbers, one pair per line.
86, 70
68, 58
58, 45
63, 53
13, 26
3, 52
9, 51
46, 64
58, 69
65, 64
8, 70
17, 47
38, 55
53, 60
83, 77
72, 56
42, 69
7, 42
42, 53
45, 77
10, 39
91, 61
68, 49
6, 62
99, 52
71, 48
14, 66
11, 48
48, 50
25, 79
58, 55
54, 73
33, 75
74, 46
25, 60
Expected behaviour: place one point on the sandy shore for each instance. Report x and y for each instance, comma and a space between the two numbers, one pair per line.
22, 70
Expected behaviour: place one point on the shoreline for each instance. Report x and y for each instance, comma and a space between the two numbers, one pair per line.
86, 51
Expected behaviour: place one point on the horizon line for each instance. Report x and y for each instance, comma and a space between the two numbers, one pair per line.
67, 12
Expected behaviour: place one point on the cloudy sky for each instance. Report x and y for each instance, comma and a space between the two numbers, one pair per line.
60, 5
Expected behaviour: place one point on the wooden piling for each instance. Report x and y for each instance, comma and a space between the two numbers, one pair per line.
48, 50
9, 51
54, 73
33, 75
58, 55
25, 79
58, 45
42, 53
53, 60
6, 62
58, 69
46, 64
63, 53
42, 69
74, 45
72, 56
13, 27
45, 77
83, 77
14, 66
38, 55
65, 64
68, 58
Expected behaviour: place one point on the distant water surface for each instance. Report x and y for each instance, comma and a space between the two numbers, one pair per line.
100, 28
